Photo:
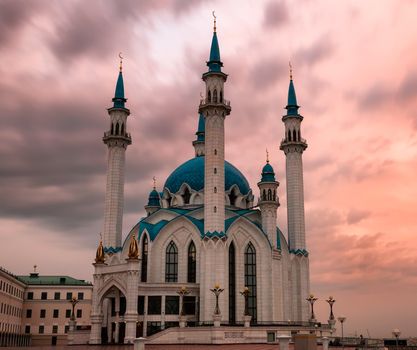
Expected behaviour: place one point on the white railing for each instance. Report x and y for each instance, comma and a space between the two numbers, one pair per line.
205, 101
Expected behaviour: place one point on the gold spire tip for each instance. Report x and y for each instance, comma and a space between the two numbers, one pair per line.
121, 61
290, 70
154, 182
214, 16
267, 156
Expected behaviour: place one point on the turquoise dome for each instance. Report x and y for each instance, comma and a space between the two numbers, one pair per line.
192, 173
153, 199
268, 174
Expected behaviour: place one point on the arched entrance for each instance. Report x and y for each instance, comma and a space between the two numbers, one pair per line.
113, 327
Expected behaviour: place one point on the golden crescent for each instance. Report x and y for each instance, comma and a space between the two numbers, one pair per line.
214, 15
120, 55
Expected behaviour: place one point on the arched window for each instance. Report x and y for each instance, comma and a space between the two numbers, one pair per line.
250, 279
215, 209
192, 263
144, 271
209, 96
186, 196
117, 129
232, 284
264, 195
232, 197
299, 135
221, 96
289, 135
122, 131
215, 152
215, 170
171, 263
112, 129
275, 196
215, 189
215, 96
269, 195
294, 135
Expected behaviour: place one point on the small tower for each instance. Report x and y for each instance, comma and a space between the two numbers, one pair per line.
214, 108
269, 202
199, 144
116, 139
154, 200
293, 146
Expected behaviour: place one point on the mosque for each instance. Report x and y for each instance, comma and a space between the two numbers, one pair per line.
205, 233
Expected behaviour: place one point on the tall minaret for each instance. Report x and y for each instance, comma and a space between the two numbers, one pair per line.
269, 202
116, 139
214, 108
293, 146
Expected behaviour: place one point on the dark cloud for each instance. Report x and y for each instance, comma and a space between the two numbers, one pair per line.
408, 87
354, 216
275, 14
319, 50
375, 97
267, 71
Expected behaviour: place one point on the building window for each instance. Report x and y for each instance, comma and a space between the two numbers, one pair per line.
192, 263
44, 295
171, 264
27, 329
80, 296
144, 271
43, 313
56, 313
141, 304
250, 278
57, 296
154, 305
41, 329
189, 305
54, 329
215, 170
28, 313
153, 327
66, 329
69, 296
186, 196
172, 305
79, 313
67, 313
30, 295
232, 284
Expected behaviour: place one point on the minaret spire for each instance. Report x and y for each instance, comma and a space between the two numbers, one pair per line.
117, 139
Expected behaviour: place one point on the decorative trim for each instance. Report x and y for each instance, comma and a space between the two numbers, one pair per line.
112, 250
299, 252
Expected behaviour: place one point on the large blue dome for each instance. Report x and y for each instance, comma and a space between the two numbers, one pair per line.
192, 173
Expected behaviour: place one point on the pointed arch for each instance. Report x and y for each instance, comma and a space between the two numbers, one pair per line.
209, 96
187, 195
299, 135
294, 135
264, 195
144, 267
122, 130
171, 263
289, 135
117, 129
215, 96
269, 194
192, 263
111, 129
221, 96
250, 279
233, 196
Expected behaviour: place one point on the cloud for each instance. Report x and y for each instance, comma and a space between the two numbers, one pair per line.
275, 14
355, 216
321, 49
267, 71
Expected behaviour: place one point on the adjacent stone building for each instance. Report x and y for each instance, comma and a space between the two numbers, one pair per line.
203, 228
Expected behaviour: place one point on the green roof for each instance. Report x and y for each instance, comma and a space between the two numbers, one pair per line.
35, 279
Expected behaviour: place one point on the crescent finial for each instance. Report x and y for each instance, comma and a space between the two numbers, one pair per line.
121, 60
214, 16
289, 63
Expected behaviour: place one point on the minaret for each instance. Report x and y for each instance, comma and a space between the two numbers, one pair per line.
199, 143
154, 200
293, 146
116, 139
269, 202
214, 108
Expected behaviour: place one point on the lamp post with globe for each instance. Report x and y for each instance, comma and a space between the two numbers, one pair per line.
312, 299
396, 333
342, 319
331, 320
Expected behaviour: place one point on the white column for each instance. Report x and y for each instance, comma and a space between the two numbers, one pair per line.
131, 315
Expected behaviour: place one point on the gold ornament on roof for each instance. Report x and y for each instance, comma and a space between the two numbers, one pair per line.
100, 253
121, 61
133, 248
214, 16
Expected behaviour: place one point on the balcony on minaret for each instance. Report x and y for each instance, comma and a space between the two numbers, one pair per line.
214, 102
121, 136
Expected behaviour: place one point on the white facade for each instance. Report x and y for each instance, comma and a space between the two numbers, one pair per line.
202, 230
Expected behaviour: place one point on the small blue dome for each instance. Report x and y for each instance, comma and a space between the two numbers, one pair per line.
154, 199
268, 174
192, 173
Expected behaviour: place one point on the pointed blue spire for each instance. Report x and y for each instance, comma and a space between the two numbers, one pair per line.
292, 106
201, 128
214, 63
119, 94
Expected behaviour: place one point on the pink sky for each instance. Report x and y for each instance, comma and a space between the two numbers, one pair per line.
355, 74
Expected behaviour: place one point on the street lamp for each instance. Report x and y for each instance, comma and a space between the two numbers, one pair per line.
217, 291
332, 321
342, 319
396, 333
182, 292
73, 302
312, 299
245, 294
